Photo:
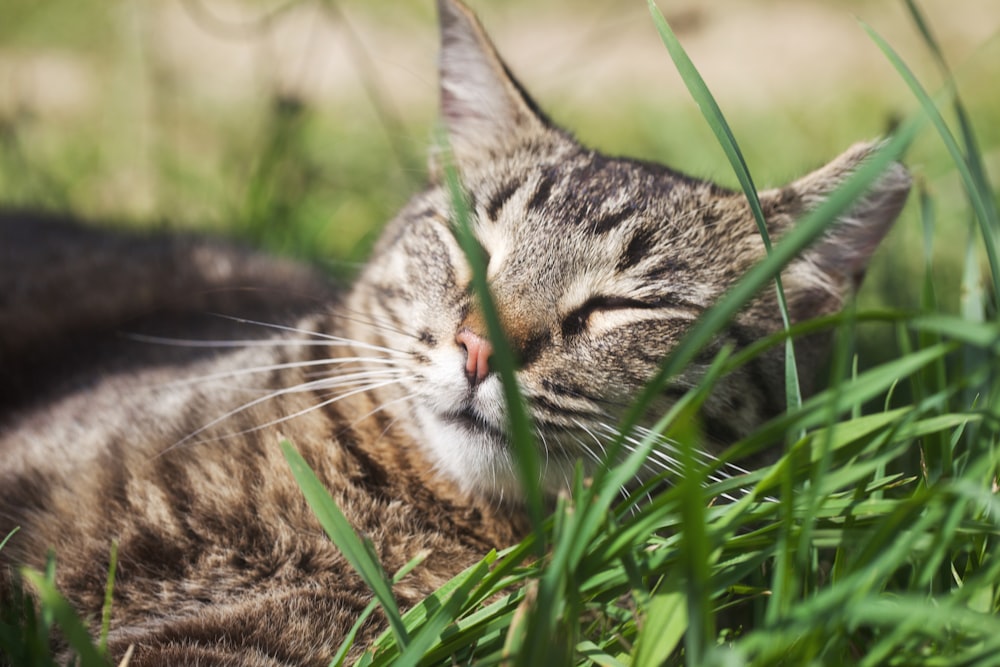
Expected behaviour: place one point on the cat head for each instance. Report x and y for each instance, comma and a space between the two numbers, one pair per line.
597, 265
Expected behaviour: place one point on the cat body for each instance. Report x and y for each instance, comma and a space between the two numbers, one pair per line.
168, 441
216, 543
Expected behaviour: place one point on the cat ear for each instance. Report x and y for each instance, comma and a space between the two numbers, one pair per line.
484, 108
843, 253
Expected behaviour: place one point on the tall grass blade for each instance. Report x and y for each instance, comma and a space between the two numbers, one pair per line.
522, 434
663, 625
973, 153
798, 238
342, 534
936, 451
109, 590
989, 225
348, 643
73, 629
713, 115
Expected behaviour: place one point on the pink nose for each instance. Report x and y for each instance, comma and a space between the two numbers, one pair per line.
477, 355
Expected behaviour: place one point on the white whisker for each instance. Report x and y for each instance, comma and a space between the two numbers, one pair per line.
660, 457
281, 392
331, 341
369, 319
276, 367
602, 458
599, 459
197, 342
278, 327
348, 379
383, 406
322, 383
705, 457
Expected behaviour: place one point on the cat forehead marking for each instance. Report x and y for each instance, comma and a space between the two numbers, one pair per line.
497, 243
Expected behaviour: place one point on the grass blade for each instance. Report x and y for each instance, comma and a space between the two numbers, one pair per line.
663, 626
974, 155
62, 612
713, 114
108, 595
989, 226
345, 647
342, 534
449, 611
9, 535
522, 433
799, 237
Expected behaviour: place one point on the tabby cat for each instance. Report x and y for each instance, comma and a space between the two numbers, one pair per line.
167, 439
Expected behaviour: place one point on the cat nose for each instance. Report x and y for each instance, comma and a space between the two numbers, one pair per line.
477, 355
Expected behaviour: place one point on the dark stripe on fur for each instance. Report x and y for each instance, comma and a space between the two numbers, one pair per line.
560, 410
542, 192
532, 348
636, 249
500, 198
611, 220
666, 268
560, 389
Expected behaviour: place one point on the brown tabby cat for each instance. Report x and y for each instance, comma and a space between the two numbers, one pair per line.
598, 265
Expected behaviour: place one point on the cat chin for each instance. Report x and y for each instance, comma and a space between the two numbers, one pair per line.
480, 460
476, 458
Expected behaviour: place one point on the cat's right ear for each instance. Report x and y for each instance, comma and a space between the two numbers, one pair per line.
485, 110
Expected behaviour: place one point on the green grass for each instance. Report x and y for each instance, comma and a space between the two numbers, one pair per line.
872, 541
846, 551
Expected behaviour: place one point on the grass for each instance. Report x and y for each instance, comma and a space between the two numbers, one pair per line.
871, 541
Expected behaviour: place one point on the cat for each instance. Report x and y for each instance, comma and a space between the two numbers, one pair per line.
167, 440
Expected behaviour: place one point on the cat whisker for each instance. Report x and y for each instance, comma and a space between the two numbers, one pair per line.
383, 406
305, 386
197, 342
329, 401
598, 459
276, 367
347, 379
661, 458
733, 468
545, 447
271, 342
309, 332
602, 458
323, 382
356, 365
278, 327
359, 317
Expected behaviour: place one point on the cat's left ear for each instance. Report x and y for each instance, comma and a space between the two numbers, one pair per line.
485, 110
844, 251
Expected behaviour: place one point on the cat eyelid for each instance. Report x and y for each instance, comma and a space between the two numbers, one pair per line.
576, 322
616, 303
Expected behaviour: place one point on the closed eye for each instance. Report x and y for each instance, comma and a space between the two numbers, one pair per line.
576, 322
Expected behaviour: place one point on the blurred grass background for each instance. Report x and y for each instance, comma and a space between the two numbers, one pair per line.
302, 125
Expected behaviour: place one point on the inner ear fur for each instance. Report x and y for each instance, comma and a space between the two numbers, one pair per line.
485, 110
843, 253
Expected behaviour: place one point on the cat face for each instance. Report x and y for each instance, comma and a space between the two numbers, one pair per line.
597, 266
